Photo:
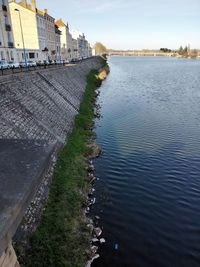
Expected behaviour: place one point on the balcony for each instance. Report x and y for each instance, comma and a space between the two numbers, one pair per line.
10, 44
4, 8
8, 27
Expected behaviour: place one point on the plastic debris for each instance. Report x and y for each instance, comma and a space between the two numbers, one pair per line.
116, 246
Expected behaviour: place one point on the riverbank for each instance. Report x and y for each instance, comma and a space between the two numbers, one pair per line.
63, 236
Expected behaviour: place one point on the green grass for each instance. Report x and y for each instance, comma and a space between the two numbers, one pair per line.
62, 237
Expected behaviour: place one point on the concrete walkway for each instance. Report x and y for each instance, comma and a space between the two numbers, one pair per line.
22, 166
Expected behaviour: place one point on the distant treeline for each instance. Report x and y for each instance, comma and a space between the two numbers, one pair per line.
166, 50
184, 52
187, 52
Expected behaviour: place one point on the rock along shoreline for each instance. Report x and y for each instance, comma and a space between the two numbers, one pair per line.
95, 229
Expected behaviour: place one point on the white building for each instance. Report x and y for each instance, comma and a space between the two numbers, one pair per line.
58, 43
41, 27
74, 49
36, 32
26, 32
83, 47
7, 49
77, 36
66, 40
89, 50
50, 35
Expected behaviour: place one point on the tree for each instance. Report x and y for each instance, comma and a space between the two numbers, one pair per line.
185, 51
165, 50
100, 48
180, 51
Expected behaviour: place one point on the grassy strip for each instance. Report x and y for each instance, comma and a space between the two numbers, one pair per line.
62, 237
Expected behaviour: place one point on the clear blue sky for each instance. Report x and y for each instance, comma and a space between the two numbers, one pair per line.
132, 24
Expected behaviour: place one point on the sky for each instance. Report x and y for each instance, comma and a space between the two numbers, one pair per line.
131, 24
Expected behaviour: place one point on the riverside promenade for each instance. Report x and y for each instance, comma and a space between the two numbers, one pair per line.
37, 115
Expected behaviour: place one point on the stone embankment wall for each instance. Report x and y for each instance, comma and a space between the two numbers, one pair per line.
40, 105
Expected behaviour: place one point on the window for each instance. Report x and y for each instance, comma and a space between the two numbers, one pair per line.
8, 56
11, 55
9, 37
2, 55
31, 55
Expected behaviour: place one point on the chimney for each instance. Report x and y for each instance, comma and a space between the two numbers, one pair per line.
33, 4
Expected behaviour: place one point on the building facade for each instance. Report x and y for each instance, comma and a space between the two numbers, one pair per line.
69, 45
41, 27
36, 32
25, 30
66, 41
74, 49
7, 49
50, 36
36, 36
58, 43
83, 47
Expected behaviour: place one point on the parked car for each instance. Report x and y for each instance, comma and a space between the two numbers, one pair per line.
27, 64
4, 65
32, 63
46, 62
52, 62
58, 62
39, 63
13, 64
22, 64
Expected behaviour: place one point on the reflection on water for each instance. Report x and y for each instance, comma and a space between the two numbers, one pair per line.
148, 195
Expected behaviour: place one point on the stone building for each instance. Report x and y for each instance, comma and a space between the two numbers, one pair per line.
50, 35
7, 49
66, 40
41, 27
58, 43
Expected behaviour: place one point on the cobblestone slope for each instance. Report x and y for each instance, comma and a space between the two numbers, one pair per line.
36, 107
42, 104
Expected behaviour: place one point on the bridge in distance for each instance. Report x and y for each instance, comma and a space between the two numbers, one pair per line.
139, 53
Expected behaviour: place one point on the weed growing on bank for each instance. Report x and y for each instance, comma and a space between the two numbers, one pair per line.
62, 237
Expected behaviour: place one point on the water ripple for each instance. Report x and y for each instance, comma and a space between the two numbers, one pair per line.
148, 195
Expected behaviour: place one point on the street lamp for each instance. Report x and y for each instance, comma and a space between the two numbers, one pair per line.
17, 10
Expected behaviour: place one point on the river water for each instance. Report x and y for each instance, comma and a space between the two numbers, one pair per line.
148, 194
